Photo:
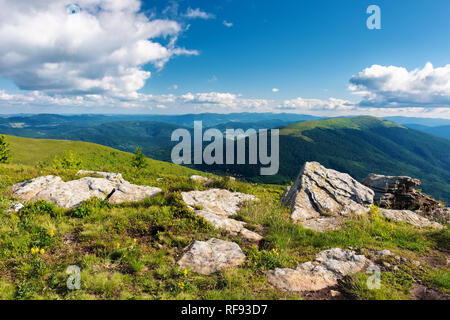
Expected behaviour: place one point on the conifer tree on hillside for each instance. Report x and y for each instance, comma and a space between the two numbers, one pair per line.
138, 160
4, 151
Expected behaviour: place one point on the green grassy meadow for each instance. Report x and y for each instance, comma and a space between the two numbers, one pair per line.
129, 251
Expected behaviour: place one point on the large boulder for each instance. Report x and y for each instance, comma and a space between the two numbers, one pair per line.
216, 206
321, 196
218, 201
325, 271
398, 192
211, 256
70, 194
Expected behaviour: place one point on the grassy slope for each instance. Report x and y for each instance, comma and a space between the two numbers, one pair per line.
366, 145
115, 266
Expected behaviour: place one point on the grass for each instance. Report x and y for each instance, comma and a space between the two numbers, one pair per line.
129, 251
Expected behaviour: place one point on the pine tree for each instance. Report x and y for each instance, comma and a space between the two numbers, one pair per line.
4, 151
138, 160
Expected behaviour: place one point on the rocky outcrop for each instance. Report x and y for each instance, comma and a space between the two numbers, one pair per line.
409, 217
399, 193
211, 256
216, 206
325, 271
70, 194
320, 197
218, 201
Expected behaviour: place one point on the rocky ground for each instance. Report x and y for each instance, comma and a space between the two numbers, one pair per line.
320, 200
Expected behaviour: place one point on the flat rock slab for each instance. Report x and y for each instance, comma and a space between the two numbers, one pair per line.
231, 226
319, 193
409, 217
211, 256
325, 271
218, 201
218, 205
70, 194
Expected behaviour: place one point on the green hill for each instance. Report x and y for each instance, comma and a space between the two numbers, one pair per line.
359, 146
130, 250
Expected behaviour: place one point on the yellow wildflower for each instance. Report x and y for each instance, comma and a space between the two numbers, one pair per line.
52, 233
185, 272
134, 240
42, 251
118, 245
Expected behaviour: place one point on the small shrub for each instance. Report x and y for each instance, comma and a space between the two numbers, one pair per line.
38, 207
88, 207
4, 150
264, 259
138, 161
67, 161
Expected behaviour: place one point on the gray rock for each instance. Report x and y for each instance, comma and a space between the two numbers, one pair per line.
218, 201
217, 206
211, 256
328, 267
232, 226
17, 207
70, 194
198, 178
398, 193
383, 253
409, 217
319, 192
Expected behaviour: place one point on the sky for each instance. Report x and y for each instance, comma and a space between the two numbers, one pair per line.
185, 56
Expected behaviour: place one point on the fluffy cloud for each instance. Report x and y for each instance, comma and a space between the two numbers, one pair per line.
393, 86
214, 101
198, 14
99, 48
305, 105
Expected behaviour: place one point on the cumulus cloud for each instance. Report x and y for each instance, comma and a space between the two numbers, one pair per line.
198, 14
227, 101
275, 90
391, 86
304, 105
100, 48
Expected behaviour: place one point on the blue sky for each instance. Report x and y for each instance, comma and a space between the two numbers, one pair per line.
227, 56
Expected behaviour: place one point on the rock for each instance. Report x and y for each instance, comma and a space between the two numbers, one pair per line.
127, 192
211, 256
160, 179
319, 193
17, 207
441, 215
232, 226
198, 178
70, 194
218, 201
393, 192
107, 175
322, 224
383, 253
335, 293
387, 265
416, 263
328, 267
409, 217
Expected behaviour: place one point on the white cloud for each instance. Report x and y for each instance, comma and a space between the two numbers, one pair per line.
304, 105
227, 101
275, 90
396, 87
198, 14
100, 49
227, 24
